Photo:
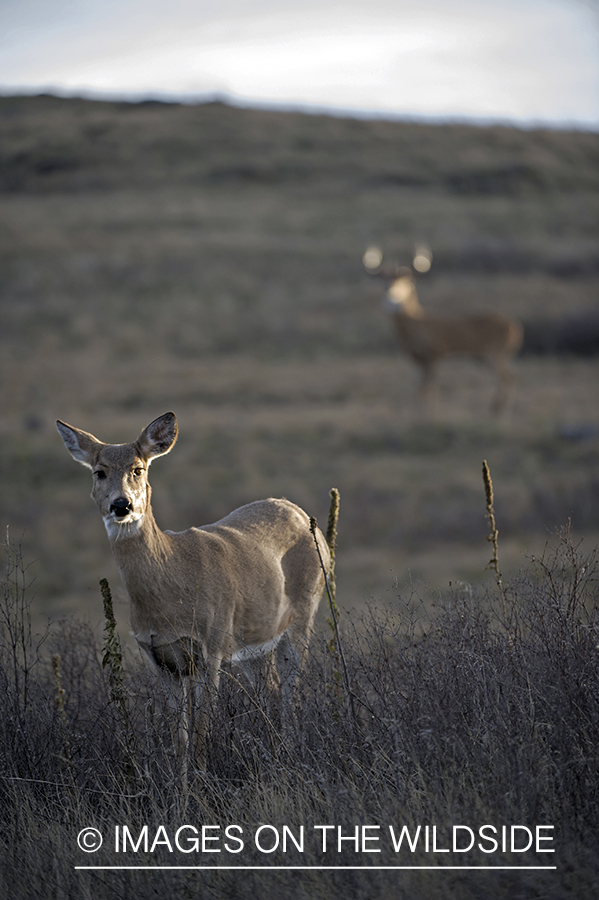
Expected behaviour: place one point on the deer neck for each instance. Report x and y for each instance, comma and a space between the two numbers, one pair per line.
148, 569
137, 546
402, 299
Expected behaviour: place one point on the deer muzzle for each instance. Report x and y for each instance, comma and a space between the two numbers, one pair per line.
121, 507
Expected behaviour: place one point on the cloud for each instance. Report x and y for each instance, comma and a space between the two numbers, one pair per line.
493, 58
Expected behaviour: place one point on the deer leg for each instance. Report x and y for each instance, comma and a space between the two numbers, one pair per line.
189, 683
289, 663
505, 381
175, 701
201, 689
259, 669
174, 716
427, 373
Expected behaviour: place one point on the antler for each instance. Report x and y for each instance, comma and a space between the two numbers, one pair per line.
423, 258
373, 261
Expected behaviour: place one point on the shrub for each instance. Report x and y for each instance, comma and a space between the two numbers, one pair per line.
485, 710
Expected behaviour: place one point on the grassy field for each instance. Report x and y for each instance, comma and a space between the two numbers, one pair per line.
481, 713
208, 260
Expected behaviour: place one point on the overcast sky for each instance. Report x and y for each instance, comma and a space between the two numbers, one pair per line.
522, 60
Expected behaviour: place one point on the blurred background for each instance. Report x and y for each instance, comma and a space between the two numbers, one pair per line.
532, 61
186, 196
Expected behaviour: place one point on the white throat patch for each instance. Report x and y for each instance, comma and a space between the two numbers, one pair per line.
401, 290
119, 530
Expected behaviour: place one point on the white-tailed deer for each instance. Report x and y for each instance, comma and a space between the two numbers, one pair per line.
245, 587
490, 337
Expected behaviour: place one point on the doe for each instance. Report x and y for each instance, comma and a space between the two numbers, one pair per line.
244, 588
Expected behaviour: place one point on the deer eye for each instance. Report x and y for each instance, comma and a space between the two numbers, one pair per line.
100, 474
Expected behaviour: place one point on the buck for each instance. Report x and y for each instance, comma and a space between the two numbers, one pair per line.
245, 588
489, 337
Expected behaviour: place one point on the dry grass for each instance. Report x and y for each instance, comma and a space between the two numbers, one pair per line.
475, 712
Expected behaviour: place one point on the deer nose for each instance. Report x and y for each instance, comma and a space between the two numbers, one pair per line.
120, 507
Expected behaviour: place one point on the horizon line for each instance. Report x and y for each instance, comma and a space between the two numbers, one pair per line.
189, 98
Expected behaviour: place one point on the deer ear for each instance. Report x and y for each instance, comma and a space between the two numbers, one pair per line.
159, 437
81, 445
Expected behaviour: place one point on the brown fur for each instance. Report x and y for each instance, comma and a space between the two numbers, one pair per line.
489, 337
201, 596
